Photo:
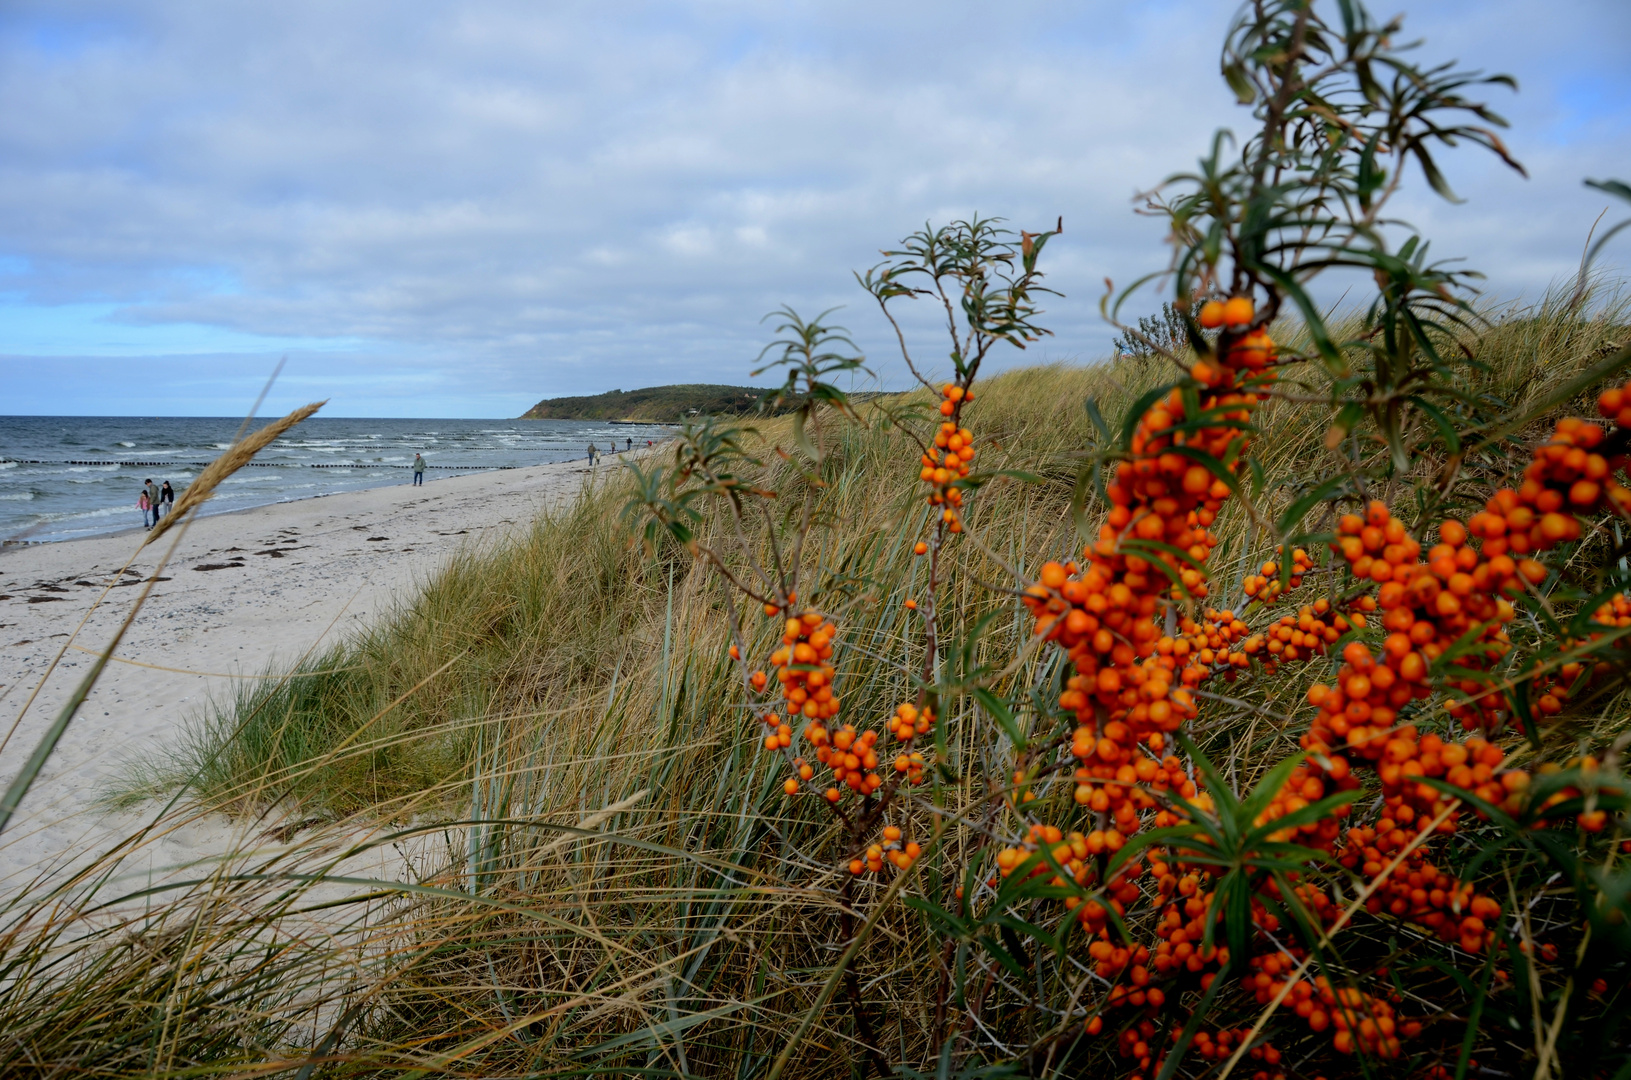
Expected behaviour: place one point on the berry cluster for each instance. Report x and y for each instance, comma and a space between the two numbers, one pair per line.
908, 722
1182, 931
1364, 1022
1125, 617
1428, 608
1211, 642
803, 668
1305, 635
1077, 855
1151, 553
851, 756
898, 851
1566, 477
1417, 890
1105, 784
1594, 820
1220, 1046
1265, 585
1104, 616
948, 461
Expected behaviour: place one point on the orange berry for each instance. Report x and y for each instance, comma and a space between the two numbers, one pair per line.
1238, 311
1211, 316
1555, 527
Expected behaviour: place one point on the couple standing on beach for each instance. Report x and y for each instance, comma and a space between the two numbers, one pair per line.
593, 452
154, 502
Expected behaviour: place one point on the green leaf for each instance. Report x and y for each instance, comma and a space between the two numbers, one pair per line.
1309, 814
1259, 478
1201, 1015
1001, 714
1349, 415
958, 927
1002, 956
1294, 514
1617, 188
1265, 791
1235, 75
1089, 480
801, 438
1441, 420
1097, 417
1222, 794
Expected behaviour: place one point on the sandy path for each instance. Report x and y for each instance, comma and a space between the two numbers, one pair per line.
247, 590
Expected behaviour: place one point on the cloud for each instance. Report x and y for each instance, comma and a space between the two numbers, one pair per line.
458, 208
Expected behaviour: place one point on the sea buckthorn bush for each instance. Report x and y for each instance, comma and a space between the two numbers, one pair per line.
1430, 856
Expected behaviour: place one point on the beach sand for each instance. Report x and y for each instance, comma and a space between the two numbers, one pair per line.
248, 592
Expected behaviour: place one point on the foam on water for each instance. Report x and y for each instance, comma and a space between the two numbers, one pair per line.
56, 500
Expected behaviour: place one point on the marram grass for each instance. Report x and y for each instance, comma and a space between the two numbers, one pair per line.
546, 743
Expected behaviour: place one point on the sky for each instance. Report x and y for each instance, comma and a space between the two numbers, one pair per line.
454, 209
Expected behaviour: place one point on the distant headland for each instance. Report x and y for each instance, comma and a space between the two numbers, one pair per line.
654, 404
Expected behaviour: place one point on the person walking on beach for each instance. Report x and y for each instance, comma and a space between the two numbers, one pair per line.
167, 500
146, 506
630, 446
151, 492
591, 455
418, 470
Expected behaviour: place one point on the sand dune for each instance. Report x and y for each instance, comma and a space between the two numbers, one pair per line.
246, 591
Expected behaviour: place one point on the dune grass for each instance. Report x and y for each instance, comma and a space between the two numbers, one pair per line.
602, 876
573, 632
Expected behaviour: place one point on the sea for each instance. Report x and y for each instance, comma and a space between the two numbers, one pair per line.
65, 477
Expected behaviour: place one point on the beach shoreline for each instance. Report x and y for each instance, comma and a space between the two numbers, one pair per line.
133, 531
250, 590
64, 478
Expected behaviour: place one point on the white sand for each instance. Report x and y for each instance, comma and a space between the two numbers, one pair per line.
291, 578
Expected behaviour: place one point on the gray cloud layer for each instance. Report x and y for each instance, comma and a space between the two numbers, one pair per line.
487, 202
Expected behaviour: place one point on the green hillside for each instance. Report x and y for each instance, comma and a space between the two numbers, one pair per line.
657, 403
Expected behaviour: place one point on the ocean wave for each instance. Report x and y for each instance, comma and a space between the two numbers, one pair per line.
18, 496
106, 511
376, 450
